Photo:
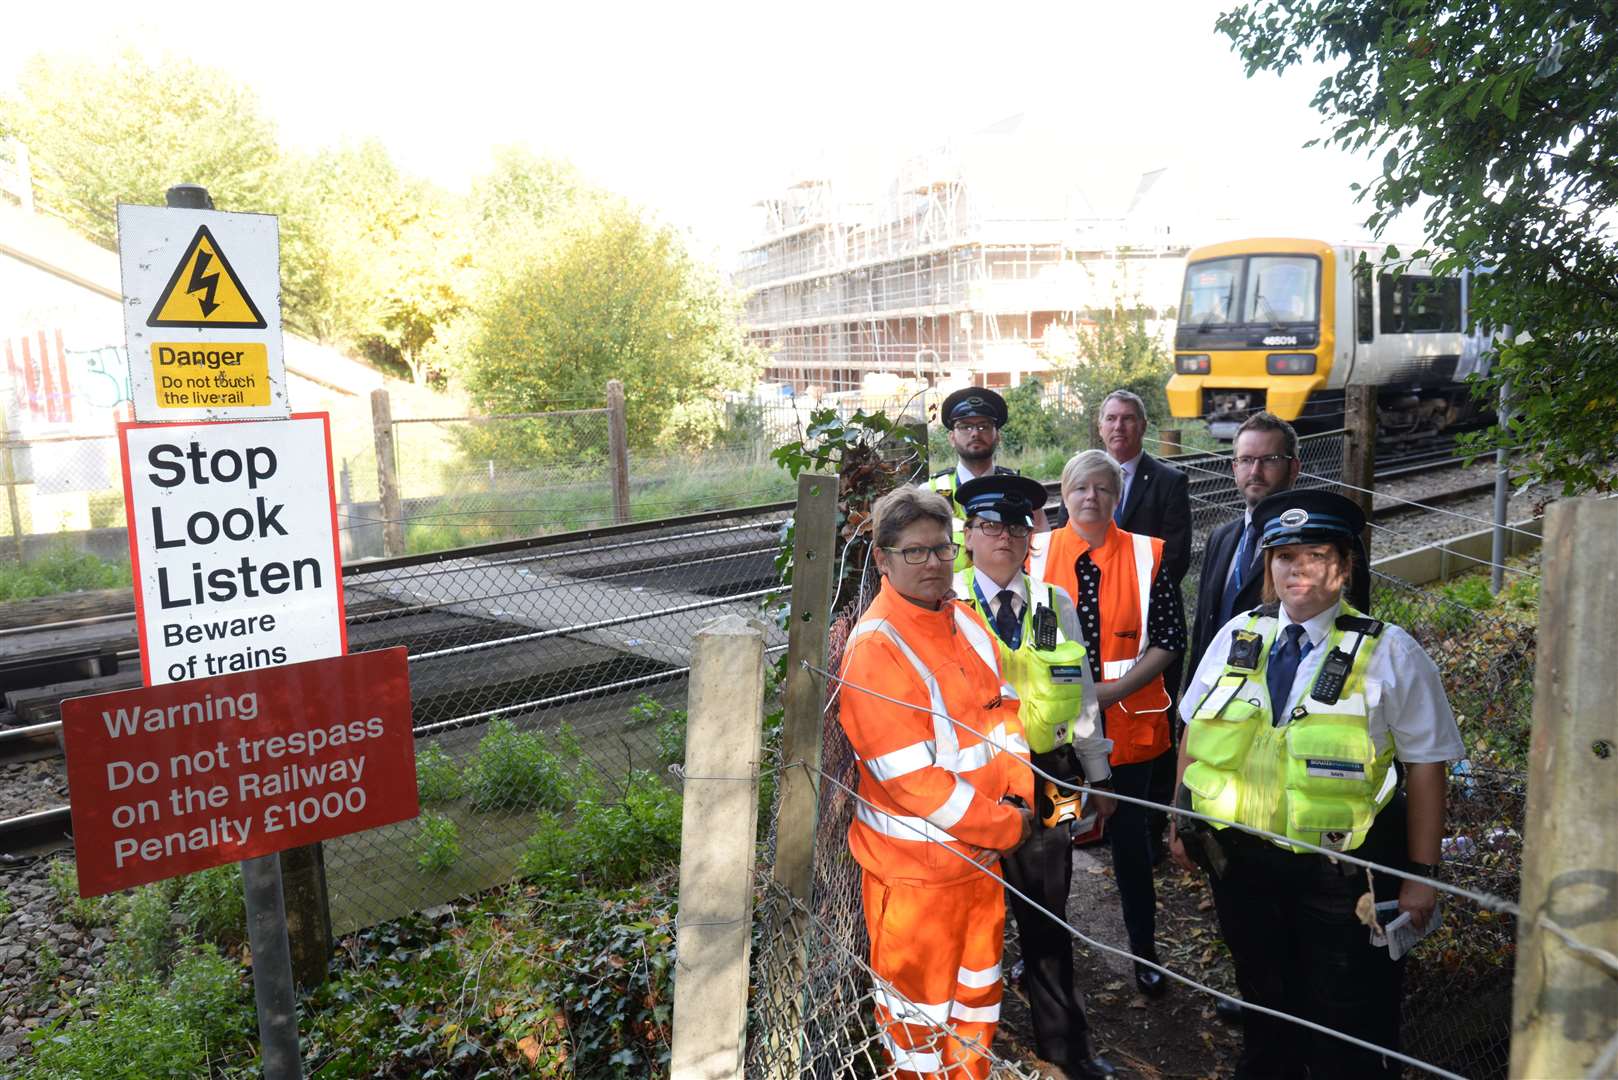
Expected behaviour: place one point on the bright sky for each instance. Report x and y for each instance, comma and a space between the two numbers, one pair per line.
698, 109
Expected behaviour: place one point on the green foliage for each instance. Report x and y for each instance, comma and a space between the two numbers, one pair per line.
145, 935
211, 902
1118, 352
62, 569
607, 844
1036, 424
517, 770
139, 1033
63, 877
670, 727
437, 843
602, 294
437, 778
1498, 121
5, 904
47, 962
213, 997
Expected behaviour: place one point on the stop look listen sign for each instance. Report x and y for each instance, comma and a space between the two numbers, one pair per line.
233, 533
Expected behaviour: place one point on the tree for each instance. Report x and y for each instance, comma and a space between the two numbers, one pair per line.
1501, 120
1115, 351
605, 295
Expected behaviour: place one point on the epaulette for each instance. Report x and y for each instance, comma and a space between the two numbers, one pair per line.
1267, 611
1001, 470
1360, 624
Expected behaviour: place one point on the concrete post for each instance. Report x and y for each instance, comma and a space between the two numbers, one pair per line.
724, 743
618, 448
308, 907
387, 476
8, 477
1564, 1005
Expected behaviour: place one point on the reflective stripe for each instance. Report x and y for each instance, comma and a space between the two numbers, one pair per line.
955, 807
980, 754
1117, 669
1143, 581
1016, 744
982, 977
980, 640
946, 744
912, 1060
903, 761
977, 1014
906, 1011
1039, 550
900, 827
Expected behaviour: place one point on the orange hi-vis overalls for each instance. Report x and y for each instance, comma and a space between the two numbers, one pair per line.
1139, 724
936, 922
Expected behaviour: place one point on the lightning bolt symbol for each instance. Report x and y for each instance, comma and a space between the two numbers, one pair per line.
202, 281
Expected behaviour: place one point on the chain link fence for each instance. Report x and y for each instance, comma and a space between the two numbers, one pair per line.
61, 490
542, 673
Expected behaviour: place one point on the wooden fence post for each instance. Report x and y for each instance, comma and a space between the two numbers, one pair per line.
723, 745
814, 576
1170, 441
8, 477
1564, 1005
387, 476
618, 448
1359, 450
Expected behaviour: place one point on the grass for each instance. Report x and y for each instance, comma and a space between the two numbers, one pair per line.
60, 570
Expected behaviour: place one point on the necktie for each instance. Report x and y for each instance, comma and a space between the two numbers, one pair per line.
1123, 497
1238, 573
1283, 668
1006, 623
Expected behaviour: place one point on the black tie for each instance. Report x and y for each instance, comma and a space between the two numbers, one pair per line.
1006, 622
1283, 668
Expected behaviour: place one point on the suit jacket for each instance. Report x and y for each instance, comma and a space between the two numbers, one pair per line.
1222, 543
1160, 505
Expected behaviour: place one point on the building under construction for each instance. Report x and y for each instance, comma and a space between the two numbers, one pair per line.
956, 273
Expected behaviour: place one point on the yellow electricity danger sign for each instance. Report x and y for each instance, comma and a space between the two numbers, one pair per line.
205, 292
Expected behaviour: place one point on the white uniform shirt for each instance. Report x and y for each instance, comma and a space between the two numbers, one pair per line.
1403, 691
1092, 746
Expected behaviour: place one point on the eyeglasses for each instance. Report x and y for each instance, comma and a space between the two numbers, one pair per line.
974, 429
915, 556
1000, 528
1267, 460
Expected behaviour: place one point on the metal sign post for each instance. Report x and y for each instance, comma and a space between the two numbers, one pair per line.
273, 991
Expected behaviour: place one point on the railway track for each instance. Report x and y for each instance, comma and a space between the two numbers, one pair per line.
508, 630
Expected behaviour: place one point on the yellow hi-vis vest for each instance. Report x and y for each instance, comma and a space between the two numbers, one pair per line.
1317, 778
1049, 682
944, 483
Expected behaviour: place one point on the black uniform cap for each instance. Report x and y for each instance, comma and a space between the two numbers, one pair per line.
1011, 499
1317, 517
973, 401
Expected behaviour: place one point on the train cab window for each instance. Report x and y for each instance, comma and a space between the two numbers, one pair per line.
1281, 289
1210, 292
1364, 313
1419, 304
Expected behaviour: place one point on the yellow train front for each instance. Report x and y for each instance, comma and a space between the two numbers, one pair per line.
1286, 324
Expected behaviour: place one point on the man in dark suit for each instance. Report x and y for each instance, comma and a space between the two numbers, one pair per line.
1156, 498
1265, 461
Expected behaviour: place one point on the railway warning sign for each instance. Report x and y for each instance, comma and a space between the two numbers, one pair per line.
169, 780
234, 544
202, 313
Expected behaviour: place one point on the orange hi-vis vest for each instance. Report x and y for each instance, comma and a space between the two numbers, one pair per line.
933, 783
1139, 724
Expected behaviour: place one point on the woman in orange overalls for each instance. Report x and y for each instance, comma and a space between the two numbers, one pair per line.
936, 920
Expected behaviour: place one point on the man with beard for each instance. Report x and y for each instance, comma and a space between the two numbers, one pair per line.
973, 417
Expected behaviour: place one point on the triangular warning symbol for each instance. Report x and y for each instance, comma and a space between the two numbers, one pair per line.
205, 292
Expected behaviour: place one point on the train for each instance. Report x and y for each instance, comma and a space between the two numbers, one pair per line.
1287, 324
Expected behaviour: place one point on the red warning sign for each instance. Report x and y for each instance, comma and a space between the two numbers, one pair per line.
172, 779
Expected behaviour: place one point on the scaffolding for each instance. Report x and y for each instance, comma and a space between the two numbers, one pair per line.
954, 275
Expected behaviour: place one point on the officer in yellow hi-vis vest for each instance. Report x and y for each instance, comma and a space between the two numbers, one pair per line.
1043, 658
973, 417
1310, 720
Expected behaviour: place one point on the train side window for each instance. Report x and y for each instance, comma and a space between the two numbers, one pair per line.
1364, 312
1393, 303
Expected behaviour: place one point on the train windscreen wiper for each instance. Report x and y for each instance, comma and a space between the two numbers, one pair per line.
1275, 322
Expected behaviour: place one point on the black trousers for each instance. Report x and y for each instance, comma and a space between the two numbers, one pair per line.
1043, 869
1132, 857
1289, 922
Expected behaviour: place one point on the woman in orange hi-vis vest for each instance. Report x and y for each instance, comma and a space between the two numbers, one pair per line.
936, 921
1134, 627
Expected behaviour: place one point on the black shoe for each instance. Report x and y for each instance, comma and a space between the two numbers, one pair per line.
1094, 1067
1149, 981
1228, 1011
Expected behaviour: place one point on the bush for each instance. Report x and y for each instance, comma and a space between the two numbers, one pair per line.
607, 845
213, 903
139, 1033
145, 936
516, 770
62, 569
670, 723
437, 778
437, 843
212, 996
63, 877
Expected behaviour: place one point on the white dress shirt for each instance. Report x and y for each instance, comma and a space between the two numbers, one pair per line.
1404, 693
1129, 468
